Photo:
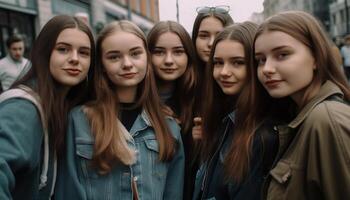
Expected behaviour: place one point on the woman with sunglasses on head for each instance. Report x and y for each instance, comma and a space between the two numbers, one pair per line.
295, 61
120, 145
208, 23
174, 63
239, 145
33, 122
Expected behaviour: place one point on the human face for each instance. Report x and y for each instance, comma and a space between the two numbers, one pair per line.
169, 57
230, 69
16, 50
70, 58
125, 59
209, 28
286, 65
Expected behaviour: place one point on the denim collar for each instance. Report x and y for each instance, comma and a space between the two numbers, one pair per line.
142, 122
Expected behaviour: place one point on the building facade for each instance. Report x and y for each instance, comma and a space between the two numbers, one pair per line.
318, 8
26, 17
339, 15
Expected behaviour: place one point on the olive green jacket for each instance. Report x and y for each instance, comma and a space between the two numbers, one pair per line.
313, 160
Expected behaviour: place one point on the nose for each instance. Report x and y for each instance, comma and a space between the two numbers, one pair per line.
168, 59
127, 62
74, 58
225, 71
211, 41
269, 67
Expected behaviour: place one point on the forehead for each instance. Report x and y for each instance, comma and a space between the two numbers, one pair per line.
73, 36
268, 40
169, 39
121, 41
211, 24
229, 48
17, 44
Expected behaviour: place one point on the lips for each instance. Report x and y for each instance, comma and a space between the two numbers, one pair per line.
73, 71
227, 83
168, 70
128, 75
272, 83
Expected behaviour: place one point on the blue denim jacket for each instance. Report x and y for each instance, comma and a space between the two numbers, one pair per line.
155, 179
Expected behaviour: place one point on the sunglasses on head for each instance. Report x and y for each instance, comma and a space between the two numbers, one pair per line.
215, 9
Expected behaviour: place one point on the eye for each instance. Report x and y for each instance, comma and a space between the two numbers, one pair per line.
113, 57
158, 52
260, 60
62, 49
282, 55
218, 63
179, 52
85, 52
203, 35
238, 62
135, 53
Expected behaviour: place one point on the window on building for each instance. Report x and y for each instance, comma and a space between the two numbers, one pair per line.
138, 5
148, 8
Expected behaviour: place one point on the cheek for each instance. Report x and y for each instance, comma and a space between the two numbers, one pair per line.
216, 73
260, 74
156, 61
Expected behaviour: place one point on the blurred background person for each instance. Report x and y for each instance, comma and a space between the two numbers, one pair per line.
14, 65
345, 52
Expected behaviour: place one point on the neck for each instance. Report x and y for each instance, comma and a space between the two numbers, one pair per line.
298, 97
166, 87
126, 94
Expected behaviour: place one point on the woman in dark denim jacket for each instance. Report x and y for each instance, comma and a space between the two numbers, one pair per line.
120, 146
238, 146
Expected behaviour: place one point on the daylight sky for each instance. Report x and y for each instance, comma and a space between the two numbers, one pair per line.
240, 11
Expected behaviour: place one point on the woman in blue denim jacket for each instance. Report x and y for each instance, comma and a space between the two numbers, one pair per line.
120, 146
239, 148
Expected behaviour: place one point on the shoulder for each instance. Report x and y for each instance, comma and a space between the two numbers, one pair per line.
78, 122
329, 112
16, 106
328, 120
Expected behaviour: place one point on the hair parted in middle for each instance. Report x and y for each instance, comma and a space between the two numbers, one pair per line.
103, 111
186, 85
218, 105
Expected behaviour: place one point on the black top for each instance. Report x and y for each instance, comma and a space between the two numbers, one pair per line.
128, 114
264, 149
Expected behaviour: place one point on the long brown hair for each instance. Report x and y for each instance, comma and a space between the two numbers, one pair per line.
187, 83
218, 105
110, 145
55, 104
226, 20
306, 29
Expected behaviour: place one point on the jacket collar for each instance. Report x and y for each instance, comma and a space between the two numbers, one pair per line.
142, 122
327, 89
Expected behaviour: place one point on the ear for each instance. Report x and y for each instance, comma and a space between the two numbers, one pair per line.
314, 67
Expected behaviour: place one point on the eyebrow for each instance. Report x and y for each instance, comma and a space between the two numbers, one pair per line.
274, 49
67, 44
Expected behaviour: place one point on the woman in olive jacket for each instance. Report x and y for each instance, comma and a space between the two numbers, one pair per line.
295, 61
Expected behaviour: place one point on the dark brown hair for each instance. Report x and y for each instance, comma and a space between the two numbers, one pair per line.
110, 145
218, 105
187, 83
54, 103
226, 20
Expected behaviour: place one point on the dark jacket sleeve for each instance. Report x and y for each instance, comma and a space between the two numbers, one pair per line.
20, 142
